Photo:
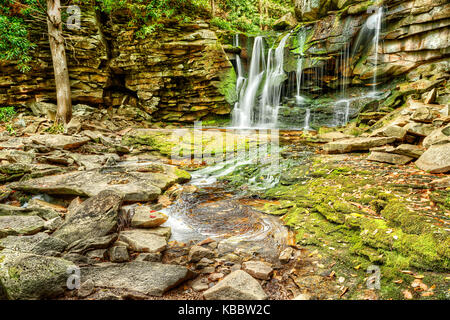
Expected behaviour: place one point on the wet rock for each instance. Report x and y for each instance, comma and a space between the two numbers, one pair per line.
86, 289
258, 269
40, 243
118, 254
389, 158
25, 276
197, 253
145, 217
436, 159
150, 257
286, 255
134, 183
356, 144
95, 217
143, 241
238, 285
149, 278
20, 225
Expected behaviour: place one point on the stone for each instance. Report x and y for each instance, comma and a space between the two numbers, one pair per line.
165, 232
150, 278
258, 269
97, 254
438, 136
26, 276
150, 257
84, 245
419, 129
286, 255
96, 217
145, 217
86, 289
134, 183
53, 224
390, 131
302, 296
44, 213
118, 254
204, 262
424, 114
356, 144
288, 21
143, 241
200, 284
58, 141
196, 253
430, 97
216, 276
436, 159
409, 150
20, 225
389, 158
40, 243
238, 285
333, 136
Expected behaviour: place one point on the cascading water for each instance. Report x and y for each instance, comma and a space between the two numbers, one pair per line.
301, 45
240, 70
243, 112
307, 119
378, 17
275, 77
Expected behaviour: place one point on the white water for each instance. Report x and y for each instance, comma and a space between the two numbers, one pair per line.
243, 112
240, 70
301, 44
378, 17
275, 76
307, 119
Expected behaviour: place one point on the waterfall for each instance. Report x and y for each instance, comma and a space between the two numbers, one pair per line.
307, 119
378, 17
240, 71
275, 77
301, 45
243, 112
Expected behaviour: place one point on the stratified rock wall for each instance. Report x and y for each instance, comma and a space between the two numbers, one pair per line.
178, 74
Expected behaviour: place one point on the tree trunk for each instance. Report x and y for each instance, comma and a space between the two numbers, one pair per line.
213, 8
58, 51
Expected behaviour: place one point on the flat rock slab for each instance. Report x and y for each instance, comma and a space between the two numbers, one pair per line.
436, 159
388, 158
143, 241
96, 217
238, 285
258, 269
356, 144
59, 141
135, 183
20, 225
151, 278
40, 243
145, 217
26, 276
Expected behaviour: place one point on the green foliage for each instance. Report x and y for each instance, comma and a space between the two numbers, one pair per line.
15, 44
7, 113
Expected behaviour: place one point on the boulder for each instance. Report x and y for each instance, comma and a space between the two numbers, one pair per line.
356, 144
145, 217
438, 136
20, 225
151, 278
238, 285
258, 269
390, 131
409, 150
30, 210
118, 254
419, 129
96, 217
288, 21
436, 159
388, 158
135, 183
26, 276
84, 245
424, 114
143, 241
59, 141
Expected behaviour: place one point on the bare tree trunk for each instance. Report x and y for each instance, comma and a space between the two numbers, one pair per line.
213, 8
58, 50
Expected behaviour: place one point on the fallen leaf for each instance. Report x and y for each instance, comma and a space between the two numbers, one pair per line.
408, 295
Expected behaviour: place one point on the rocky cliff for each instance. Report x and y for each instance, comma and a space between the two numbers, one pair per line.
178, 74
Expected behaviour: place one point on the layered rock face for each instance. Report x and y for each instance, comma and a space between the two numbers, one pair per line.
178, 74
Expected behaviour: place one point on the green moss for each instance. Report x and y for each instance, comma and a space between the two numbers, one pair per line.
227, 86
